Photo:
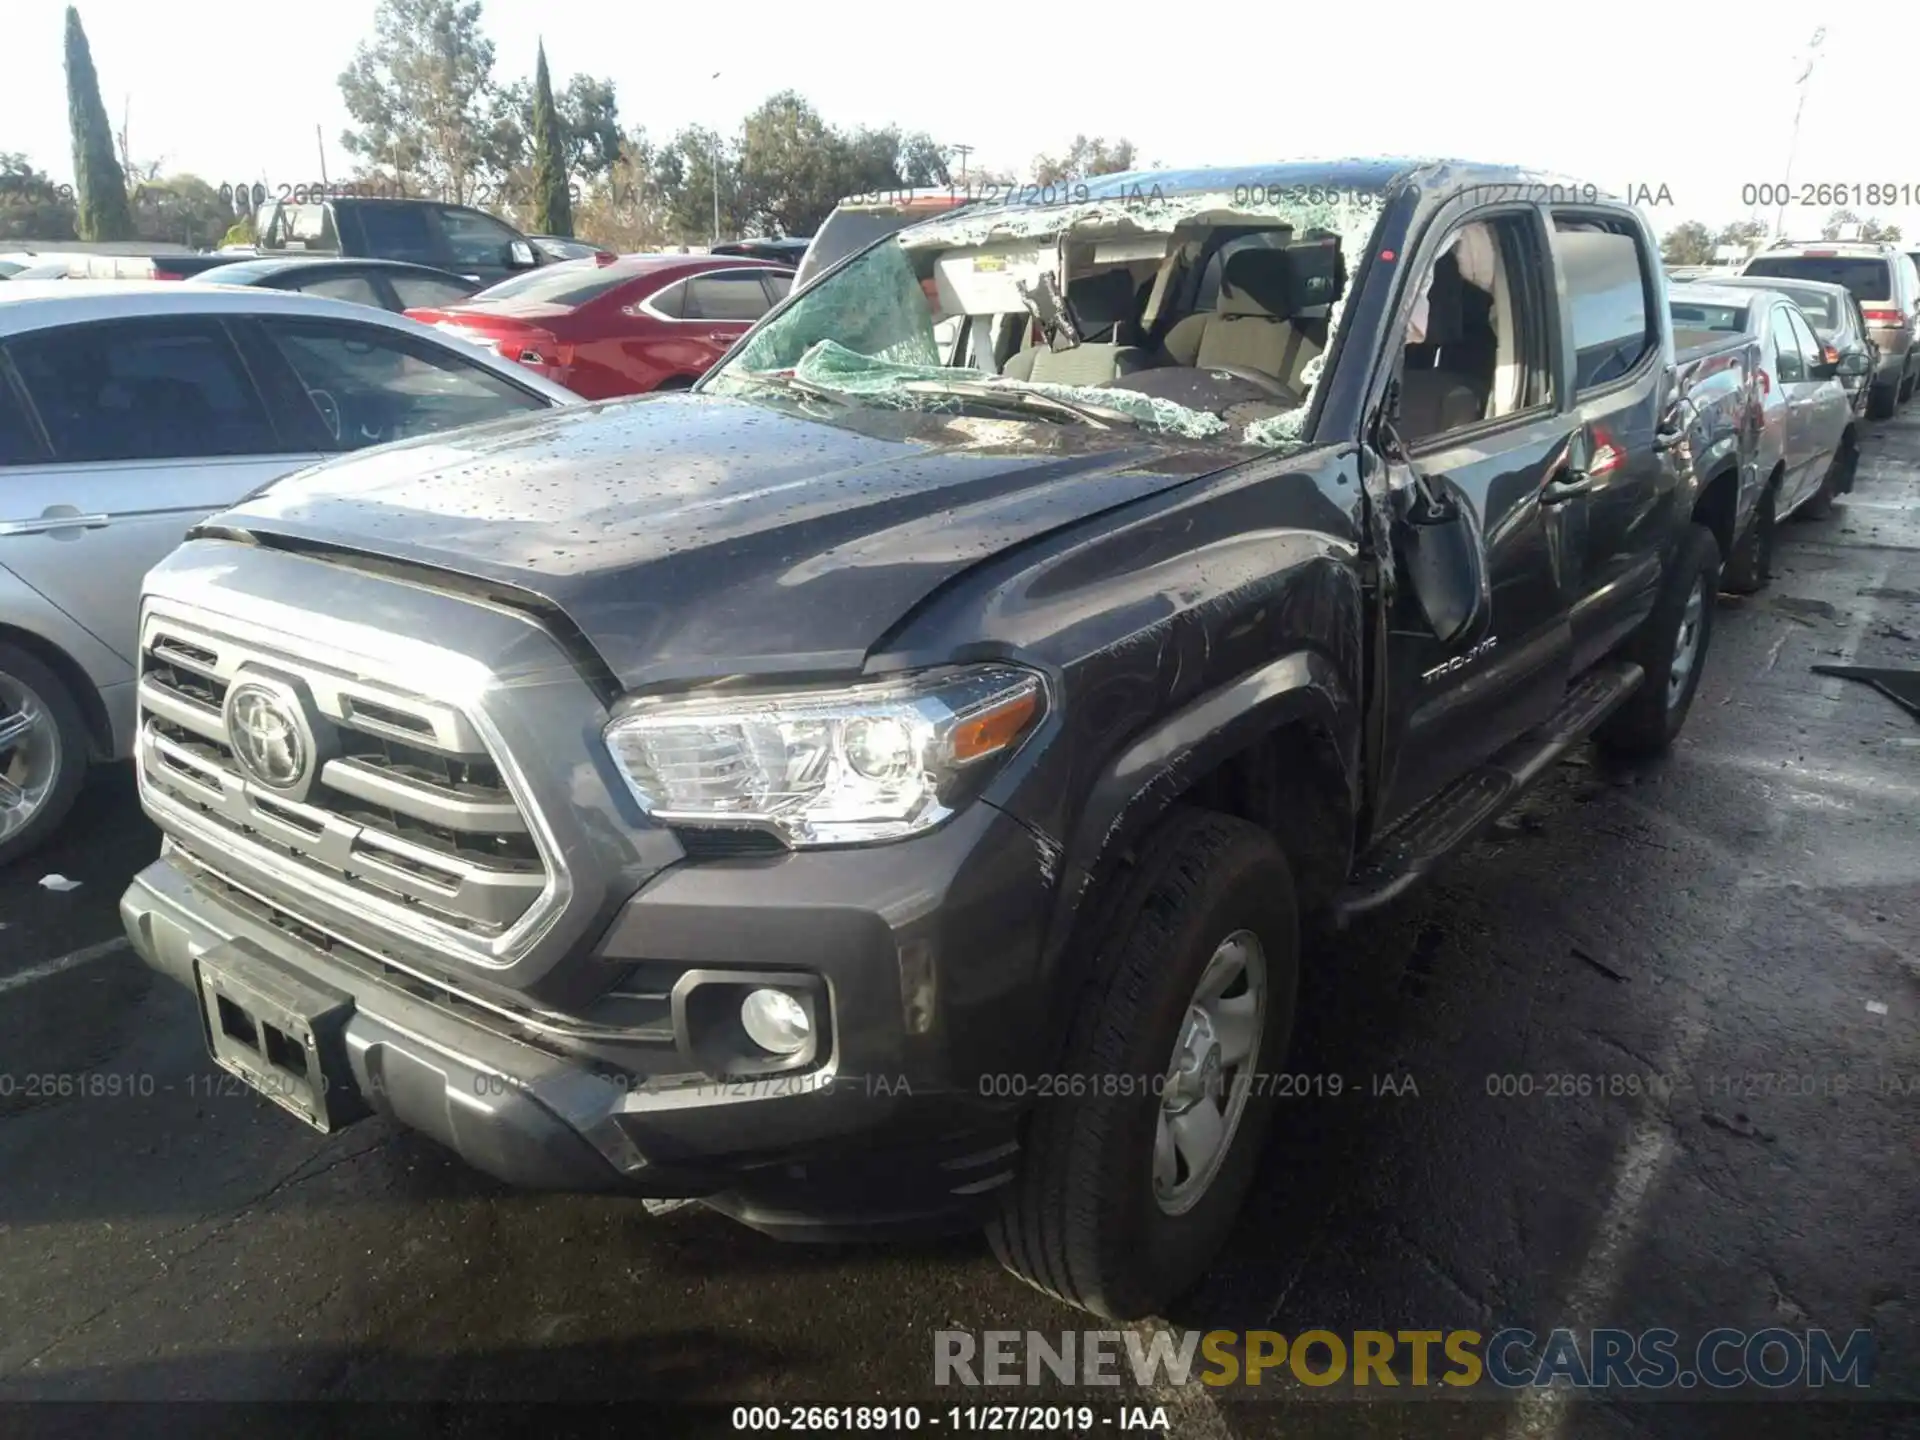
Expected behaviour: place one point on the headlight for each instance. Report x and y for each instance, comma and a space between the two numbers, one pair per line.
872, 761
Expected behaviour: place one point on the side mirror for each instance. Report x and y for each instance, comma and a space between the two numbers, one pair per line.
1855, 362
1445, 559
520, 254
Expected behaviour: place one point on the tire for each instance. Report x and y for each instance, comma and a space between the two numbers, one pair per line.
1654, 713
52, 761
1084, 1220
1819, 505
1751, 565
1882, 402
675, 382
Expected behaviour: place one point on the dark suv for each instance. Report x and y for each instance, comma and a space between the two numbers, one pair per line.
871, 791
457, 238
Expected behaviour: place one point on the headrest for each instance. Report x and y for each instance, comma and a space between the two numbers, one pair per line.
1319, 273
1257, 282
1446, 320
1100, 302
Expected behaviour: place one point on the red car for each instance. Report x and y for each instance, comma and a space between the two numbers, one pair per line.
618, 325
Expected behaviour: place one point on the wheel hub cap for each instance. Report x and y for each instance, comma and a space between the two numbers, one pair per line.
1208, 1079
29, 755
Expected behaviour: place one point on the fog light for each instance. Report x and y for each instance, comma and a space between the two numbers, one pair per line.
775, 1021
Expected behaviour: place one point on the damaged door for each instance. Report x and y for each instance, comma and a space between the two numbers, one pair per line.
1478, 642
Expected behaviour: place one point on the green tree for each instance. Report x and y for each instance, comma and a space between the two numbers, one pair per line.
590, 117
1688, 243
181, 209
423, 98
794, 167
32, 207
684, 173
99, 183
552, 208
1745, 234
1084, 158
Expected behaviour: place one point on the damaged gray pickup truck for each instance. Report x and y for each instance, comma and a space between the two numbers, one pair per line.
882, 788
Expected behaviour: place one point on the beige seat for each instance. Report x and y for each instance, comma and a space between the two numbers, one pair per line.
1102, 310
1251, 327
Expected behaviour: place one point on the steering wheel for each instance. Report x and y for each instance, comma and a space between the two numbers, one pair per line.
1257, 378
329, 409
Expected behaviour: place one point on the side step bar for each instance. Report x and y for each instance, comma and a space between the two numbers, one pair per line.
1414, 848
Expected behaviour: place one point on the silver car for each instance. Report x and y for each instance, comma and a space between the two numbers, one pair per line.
1884, 281
130, 411
1809, 439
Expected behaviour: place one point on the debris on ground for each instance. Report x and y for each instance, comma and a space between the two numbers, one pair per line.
58, 882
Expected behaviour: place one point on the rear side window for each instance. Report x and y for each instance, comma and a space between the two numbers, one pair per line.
670, 302
1870, 280
356, 288
1605, 277
571, 282
777, 285
726, 295
397, 232
422, 292
19, 443
143, 390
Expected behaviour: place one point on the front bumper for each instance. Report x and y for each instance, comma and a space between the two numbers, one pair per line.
927, 953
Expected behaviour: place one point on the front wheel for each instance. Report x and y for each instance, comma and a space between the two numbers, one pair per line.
1138, 1159
43, 752
1671, 647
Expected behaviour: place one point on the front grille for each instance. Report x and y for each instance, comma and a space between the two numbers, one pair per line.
409, 812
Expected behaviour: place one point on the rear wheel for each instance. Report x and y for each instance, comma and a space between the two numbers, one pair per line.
1672, 648
1882, 401
1751, 565
1132, 1180
43, 752
1837, 481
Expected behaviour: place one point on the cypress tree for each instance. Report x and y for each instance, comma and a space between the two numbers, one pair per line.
552, 209
100, 185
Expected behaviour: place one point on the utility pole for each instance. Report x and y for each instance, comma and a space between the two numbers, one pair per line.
963, 151
321, 146
1793, 145
714, 160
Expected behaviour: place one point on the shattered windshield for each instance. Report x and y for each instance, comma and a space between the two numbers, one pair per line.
1201, 315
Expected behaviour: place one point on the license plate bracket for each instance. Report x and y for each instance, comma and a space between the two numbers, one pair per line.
281, 1032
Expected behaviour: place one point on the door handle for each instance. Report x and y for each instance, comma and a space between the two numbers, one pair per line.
1665, 438
1565, 486
44, 523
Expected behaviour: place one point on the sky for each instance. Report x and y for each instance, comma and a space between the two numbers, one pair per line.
1683, 106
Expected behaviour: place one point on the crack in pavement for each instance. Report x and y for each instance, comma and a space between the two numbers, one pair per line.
222, 1227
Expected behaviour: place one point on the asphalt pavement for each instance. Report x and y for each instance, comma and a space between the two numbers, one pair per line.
1737, 926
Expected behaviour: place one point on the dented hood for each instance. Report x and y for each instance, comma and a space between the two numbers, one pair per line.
695, 536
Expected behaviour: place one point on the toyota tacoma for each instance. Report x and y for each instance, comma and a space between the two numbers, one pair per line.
882, 787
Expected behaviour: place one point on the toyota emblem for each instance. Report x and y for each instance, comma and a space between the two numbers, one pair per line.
268, 739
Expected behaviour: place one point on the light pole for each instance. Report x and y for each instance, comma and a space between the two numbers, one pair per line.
1793, 145
714, 160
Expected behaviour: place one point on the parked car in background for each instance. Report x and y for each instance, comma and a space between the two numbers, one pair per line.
129, 411
390, 284
862, 219
458, 238
565, 247
867, 714
1837, 320
121, 263
1810, 443
1884, 281
619, 327
788, 250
